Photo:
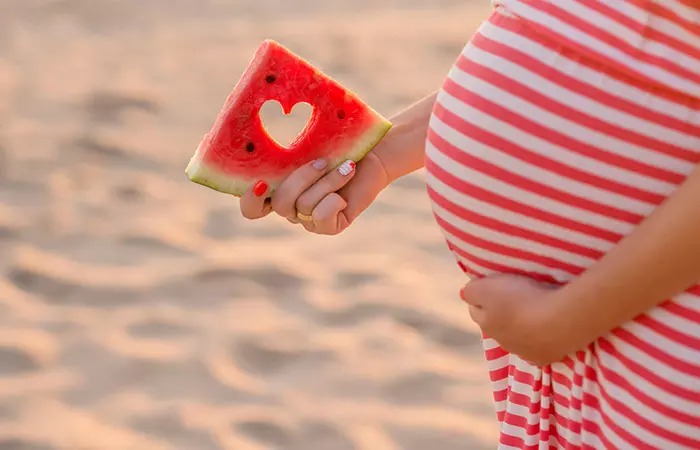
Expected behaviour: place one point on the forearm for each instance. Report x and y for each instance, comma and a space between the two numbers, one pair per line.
659, 259
403, 149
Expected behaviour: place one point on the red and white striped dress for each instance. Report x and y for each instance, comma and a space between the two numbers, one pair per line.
562, 125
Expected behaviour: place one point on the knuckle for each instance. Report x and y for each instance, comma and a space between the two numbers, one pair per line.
304, 203
306, 175
321, 215
331, 181
335, 180
311, 171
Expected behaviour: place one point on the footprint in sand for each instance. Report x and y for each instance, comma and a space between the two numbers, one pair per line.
274, 279
448, 336
55, 291
109, 372
18, 444
355, 279
323, 436
129, 194
358, 313
169, 427
8, 233
415, 438
151, 245
108, 107
270, 435
266, 359
37, 283
312, 435
92, 146
419, 388
158, 329
206, 288
16, 361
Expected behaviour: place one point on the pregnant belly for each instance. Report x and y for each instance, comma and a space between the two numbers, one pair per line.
494, 227
539, 161
511, 203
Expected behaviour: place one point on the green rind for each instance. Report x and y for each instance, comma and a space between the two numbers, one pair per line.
207, 175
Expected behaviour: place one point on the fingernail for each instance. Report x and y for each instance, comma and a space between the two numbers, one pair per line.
260, 188
320, 164
346, 168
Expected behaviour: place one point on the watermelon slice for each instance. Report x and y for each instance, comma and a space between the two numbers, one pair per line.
238, 151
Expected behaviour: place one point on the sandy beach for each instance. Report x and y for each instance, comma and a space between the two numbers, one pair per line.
140, 311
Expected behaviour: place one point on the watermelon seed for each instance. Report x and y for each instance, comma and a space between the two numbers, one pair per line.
250, 147
341, 114
270, 79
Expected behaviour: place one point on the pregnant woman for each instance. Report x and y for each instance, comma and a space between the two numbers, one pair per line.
562, 163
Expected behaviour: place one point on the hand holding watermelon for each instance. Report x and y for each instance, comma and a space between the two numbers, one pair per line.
331, 172
330, 198
334, 200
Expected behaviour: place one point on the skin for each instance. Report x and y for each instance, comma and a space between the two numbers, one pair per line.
655, 262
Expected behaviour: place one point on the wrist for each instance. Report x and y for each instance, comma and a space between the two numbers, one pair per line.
572, 321
402, 150
393, 151
385, 157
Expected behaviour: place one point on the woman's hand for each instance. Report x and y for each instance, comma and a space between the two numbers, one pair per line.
324, 201
329, 201
521, 315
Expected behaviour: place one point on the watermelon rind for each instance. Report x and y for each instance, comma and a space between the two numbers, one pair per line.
208, 175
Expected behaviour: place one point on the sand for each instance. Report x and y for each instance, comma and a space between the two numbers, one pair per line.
139, 311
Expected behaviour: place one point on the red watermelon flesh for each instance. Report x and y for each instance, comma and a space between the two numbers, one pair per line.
238, 151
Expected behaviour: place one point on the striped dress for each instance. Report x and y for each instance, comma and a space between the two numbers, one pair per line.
561, 126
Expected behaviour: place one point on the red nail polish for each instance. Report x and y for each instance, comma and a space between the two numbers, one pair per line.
260, 188
352, 165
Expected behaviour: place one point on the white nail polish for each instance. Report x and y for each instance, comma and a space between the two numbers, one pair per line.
346, 168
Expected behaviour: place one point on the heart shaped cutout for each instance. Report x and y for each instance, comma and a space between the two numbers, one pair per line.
285, 128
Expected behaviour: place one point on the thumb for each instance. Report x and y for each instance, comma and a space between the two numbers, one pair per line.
365, 186
255, 203
359, 196
329, 217
470, 293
